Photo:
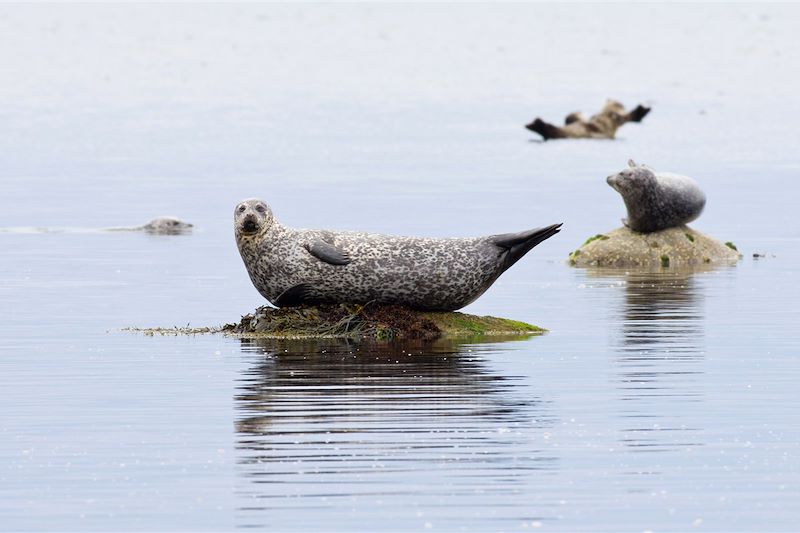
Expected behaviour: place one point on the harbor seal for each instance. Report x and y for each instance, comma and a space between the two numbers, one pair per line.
603, 125
657, 201
166, 226
160, 226
157, 226
292, 267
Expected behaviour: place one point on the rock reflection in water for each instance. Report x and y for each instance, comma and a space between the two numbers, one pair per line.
401, 431
659, 355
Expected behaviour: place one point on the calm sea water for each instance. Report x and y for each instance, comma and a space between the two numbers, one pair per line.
657, 401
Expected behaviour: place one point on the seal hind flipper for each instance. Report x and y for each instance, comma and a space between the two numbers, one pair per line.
517, 245
327, 252
295, 296
545, 129
637, 114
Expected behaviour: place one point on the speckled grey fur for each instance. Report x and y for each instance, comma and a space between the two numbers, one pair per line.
423, 273
657, 200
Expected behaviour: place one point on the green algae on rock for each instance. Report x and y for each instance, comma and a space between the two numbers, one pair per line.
370, 321
680, 246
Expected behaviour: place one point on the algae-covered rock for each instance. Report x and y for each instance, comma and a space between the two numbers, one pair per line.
371, 321
680, 246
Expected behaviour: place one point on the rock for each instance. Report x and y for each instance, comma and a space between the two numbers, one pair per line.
680, 246
353, 321
373, 321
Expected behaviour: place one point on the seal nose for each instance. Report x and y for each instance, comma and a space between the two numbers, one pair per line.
249, 224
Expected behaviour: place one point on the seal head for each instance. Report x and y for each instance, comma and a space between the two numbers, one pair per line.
656, 201
252, 218
167, 226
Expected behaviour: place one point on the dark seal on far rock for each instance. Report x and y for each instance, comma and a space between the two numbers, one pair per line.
657, 201
292, 267
603, 125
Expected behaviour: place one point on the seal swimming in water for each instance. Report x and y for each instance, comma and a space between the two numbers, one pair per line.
166, 226
603, 125
157, 226
160, 226
292, 267
657, 201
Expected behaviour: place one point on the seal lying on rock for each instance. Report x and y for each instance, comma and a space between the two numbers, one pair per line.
657, 201
292, 267
603, 125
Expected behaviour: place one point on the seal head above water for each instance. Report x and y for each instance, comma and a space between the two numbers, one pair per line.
657, 200
291, 267
166, 226
157, 226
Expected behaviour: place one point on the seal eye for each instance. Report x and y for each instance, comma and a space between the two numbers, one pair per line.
241, 208
260, 208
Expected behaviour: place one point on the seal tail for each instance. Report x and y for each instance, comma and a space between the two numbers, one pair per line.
517, 245
545, 129
637, 114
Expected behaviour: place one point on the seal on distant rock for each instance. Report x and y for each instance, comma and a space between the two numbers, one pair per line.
603, 125
657, 201
292, 267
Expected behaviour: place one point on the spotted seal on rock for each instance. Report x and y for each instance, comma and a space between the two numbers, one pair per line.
603, 125
657, 201
292, 267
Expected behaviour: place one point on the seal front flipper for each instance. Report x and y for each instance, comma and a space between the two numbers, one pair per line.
327, 252
300, 294
575, 116
518, 244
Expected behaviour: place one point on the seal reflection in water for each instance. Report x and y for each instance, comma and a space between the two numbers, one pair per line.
291, 267
657, 201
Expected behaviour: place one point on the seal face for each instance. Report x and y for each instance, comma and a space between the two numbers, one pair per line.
657, 201
291, 267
